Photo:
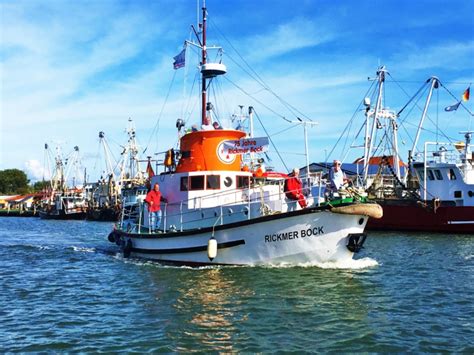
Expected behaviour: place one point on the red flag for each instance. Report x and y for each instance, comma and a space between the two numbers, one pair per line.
465, 96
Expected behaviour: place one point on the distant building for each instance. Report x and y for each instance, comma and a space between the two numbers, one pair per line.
356, 168
22, 202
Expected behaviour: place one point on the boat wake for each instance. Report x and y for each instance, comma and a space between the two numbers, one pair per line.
353, 264
348, 264
84, 249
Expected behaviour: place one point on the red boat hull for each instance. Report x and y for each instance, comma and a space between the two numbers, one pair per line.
415, 216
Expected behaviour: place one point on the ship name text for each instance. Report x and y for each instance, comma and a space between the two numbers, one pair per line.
303, 233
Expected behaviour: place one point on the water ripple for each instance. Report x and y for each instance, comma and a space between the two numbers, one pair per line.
66, 289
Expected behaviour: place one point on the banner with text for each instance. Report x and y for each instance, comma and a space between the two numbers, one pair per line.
246, 145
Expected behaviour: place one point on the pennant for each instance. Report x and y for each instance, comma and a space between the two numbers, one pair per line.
465, 96
149, 170
452, 107
180, 59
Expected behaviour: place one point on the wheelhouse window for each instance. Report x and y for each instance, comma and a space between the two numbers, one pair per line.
438, 174
452, 175
213, 182
430, 175
196, 182
184, 185
422, 174
243, 182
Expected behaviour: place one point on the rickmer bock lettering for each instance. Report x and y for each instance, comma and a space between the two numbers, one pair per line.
303, 233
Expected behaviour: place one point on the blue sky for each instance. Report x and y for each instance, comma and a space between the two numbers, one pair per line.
70, 69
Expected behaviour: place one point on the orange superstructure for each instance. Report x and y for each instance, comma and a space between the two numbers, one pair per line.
203, 150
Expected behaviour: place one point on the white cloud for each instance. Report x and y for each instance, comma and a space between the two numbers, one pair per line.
455, 55
65, 71
35, 170
297, 34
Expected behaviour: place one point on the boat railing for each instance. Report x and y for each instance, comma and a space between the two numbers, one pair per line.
132, 216
438, 153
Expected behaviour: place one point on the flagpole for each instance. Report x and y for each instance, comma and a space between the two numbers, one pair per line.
204, 57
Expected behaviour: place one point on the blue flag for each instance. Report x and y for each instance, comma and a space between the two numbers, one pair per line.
452, 107
180, 59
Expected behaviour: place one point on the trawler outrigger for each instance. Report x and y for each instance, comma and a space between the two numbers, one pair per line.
219, 211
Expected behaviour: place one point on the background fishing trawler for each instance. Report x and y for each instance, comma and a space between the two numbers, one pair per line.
118, 180
225, 208
59, 200
434, 190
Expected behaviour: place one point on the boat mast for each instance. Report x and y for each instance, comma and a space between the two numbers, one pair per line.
381, 78
108, 162
396, 160
203, 61
434, 85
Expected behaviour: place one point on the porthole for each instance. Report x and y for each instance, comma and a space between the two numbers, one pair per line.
361, 221
228, 181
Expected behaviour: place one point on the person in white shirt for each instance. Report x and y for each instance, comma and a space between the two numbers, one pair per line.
336, 176
207, 126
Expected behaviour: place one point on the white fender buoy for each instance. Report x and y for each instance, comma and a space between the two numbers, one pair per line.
212, 248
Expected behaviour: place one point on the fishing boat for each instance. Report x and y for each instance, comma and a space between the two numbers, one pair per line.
105, 196
444, 202
61, 201
223, 209
434, 190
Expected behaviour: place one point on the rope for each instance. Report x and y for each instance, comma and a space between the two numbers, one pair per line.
156, 128
257, 77
271, 141
261, 103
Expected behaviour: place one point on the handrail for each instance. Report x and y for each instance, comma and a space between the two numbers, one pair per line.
250, 197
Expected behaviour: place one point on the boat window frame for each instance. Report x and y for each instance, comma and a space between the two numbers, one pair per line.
452, 175
192, 185
422, 174
218, 181
184, 183
239, 181
431, 176
438, 174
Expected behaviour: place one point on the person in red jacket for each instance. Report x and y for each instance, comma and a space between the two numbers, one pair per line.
294, 191
153, 199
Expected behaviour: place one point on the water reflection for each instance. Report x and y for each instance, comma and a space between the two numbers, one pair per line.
211, 302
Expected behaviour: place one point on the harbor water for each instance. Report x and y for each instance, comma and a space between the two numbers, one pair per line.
65, 288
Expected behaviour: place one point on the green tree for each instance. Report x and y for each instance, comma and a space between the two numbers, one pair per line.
13, 181
40, 185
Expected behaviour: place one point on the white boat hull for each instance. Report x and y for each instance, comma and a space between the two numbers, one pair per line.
307, 236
